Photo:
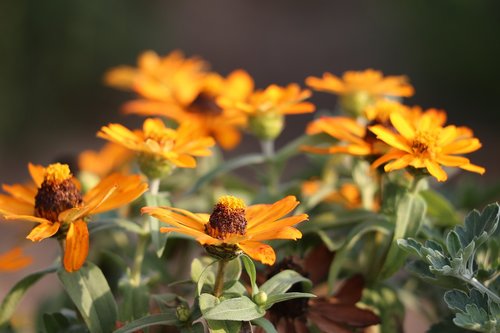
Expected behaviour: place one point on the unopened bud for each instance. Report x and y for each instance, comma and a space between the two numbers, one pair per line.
260, 298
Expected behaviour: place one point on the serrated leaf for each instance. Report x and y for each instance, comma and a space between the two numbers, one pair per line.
15, 295
478, 225
285, 297
282, 281
250, 269
238, 309
89, 291
165, 319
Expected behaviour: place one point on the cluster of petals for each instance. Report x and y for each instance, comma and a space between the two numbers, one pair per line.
179, 146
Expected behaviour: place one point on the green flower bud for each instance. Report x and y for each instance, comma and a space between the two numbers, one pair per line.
153, 166
267, 126
182, 312
355, 103
260, 298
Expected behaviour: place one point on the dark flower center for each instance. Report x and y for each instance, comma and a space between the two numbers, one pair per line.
204, 104
227, 218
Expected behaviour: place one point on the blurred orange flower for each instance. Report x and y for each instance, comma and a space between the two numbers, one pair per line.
369, 81
424, 143
55, 202
14, 260
234, 225
111, 157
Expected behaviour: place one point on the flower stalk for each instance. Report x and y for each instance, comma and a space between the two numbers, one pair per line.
219, 280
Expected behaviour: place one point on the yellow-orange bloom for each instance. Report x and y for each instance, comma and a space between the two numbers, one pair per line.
232, 224
169, 78
14, 260
155, 140
55, 202
424, 143
369, 81
354, 137
201, 111
112, 157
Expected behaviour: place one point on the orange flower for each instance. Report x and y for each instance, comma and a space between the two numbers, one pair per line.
170, 78
111, 157
156, 142
233, 225
14, 260
348, 194
55, 202
369, 81
424, 143
356, 140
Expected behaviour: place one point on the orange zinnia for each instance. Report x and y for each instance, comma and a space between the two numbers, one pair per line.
369, 81
355, 139
14, 260
235, 226
156, 142
56, 203
424, 143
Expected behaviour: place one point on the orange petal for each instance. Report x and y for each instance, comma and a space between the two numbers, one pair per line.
258, 215
473, 168
278, 224
281, 233
402, 125
24, 193
259, 251
77, 246
227, 137
387, 157
37, 173
184, 220
42, 231
13, 206
14, 260
200, 237
392, 139
436, 170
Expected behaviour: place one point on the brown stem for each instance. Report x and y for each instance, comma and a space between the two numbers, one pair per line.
219, 280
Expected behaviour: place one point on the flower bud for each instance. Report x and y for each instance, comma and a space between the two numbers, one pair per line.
153, 166
260, 298
266, 126
355, 103
182, 312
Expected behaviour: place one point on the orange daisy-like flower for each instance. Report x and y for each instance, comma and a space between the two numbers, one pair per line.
14, 260
354, 137
266, 108
370, 81
169, 78
234, 227
160, 147
424, 143
55, 202
348, 195
111, 157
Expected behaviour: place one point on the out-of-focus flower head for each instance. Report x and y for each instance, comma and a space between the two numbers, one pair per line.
160, 148
55, 202
111, 157
358, 89
266, 108
423, 143
232, 227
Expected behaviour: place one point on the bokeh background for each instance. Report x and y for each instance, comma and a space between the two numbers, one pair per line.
53, 55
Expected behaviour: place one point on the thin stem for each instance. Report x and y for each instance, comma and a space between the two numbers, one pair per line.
267, 147
154, 186
483, 289
219, 280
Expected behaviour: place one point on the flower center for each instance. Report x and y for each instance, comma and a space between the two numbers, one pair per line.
57, 193
425, 142
165, 137
204, 104
227, 218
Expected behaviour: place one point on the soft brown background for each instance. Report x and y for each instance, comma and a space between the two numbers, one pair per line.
53, 55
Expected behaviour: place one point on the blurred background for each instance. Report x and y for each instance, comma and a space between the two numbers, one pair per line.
53, 55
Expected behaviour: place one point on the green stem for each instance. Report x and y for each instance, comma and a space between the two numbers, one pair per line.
143, 241
483, 289
267, 147
219, 280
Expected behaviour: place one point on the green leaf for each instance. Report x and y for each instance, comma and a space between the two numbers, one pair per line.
165, 319
206, 277
64, 322
353, 237
89, 291
227, 166
409, 216
283, 281
135, 303
439, 209
207, 302
109, 223
453, 243
15, 295
238, 309
252, 274
285, 297
265, 324
478, 226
